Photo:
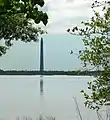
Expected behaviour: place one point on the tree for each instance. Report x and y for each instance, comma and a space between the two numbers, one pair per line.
17, 21
97, 3
27, 7
96, 39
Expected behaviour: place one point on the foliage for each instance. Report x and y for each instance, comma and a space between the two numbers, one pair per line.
18, 19
100, 3
96, 39
27, 7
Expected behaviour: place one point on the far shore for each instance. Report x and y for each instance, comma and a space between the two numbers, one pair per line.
72, 73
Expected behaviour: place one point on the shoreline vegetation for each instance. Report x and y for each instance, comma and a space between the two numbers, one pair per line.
35, 72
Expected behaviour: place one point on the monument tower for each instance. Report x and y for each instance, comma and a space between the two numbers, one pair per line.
41, 57
41, 66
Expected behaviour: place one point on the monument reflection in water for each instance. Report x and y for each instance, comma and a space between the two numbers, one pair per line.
41, 85
41, 98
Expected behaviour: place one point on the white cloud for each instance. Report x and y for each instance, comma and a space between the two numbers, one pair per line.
65, 13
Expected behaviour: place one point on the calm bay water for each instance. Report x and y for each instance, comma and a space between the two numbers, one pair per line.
21, 96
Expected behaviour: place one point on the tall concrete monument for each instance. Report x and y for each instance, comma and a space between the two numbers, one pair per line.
41, 57
41, 65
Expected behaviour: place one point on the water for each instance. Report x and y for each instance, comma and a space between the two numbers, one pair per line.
22, 96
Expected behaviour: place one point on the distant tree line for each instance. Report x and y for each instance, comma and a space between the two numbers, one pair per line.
34, 72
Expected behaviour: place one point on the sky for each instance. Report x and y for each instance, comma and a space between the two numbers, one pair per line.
63, 14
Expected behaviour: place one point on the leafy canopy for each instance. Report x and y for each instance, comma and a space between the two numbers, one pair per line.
18, 19
27, 7
96, 39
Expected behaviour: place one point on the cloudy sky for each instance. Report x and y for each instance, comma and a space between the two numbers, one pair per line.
63, 14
